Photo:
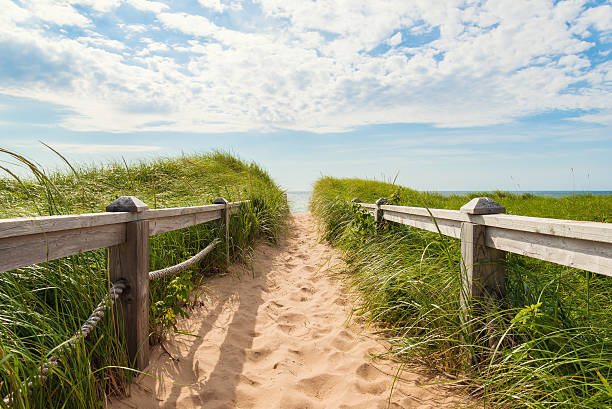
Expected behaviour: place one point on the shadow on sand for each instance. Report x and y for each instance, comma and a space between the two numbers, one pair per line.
242, 296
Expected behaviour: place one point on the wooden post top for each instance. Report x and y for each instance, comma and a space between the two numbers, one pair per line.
381, 201
220, 200
127, 204
482, 205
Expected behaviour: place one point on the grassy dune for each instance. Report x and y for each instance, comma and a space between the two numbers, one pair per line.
43, 305
549, 344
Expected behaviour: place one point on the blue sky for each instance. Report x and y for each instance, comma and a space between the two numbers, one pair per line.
453, 95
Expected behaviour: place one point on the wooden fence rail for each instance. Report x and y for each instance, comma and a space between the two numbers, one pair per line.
486, 234
125, 230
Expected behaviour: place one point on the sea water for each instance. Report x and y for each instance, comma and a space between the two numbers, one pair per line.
298, 200
549, 193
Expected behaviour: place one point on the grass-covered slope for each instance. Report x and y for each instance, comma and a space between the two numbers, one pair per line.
42, 306
548, 345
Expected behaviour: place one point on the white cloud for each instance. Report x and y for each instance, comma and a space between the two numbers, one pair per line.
188, 23
219, 6
604, 117
215, 5
493, 62
103, 6
395, 40
102, 42
84, 148
599, 18
146, 5
12, 13
57, 12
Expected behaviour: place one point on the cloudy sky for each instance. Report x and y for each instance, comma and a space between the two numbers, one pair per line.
452, 94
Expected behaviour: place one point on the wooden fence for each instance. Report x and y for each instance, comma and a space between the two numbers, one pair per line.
486, 234
125, 230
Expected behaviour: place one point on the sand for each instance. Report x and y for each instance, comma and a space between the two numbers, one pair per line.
278, 334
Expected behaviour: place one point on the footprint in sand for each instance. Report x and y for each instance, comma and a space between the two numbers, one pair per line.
293, 400
342, 301
372, 388
307, 268
306, 289
281, 343
258, 355
291, 318
367, 372
319, 386
321, 331
274, 308
299, 296
343, 341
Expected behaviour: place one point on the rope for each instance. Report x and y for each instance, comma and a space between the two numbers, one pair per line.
154, 275
115, 291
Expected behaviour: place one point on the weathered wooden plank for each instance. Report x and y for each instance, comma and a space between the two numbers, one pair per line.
24, 226
178, 211
422, 211
166, 224
447, 227
368, 205
235, 206
599, 232
22, 251
27, 241
584, 254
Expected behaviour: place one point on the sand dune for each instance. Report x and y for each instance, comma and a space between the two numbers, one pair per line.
275, 335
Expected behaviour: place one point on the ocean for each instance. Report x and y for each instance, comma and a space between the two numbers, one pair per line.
298, 200
551, 193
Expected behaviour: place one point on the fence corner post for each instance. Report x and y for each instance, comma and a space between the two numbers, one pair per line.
129, 261
378, 214
226, 216
482, 268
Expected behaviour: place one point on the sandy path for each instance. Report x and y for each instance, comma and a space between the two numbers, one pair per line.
275, 336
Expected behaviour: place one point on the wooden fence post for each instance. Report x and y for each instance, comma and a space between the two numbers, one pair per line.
226, 214
130, 261
482, 268
378, 213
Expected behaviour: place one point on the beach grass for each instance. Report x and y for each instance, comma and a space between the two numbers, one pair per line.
42, 306
547, 345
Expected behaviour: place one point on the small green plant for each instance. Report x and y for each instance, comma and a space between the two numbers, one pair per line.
395, 197
526, 318
363, 223
174, 303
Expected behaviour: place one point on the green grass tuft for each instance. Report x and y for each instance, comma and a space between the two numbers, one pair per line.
41, 306
548, 345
